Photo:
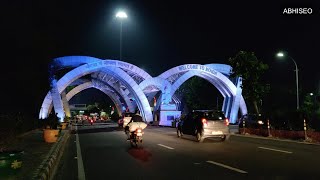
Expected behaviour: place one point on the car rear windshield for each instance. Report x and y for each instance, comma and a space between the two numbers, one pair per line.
213, 116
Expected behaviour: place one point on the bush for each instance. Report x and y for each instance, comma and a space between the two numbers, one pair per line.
52, 121
115, 117
14, 124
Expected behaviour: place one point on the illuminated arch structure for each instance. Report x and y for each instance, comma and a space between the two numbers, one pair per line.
130, 87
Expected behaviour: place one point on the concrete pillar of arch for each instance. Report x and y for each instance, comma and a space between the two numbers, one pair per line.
57, 101
224, 106
236, 102
65, 104
229, 105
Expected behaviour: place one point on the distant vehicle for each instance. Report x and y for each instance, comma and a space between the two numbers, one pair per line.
125, 119
94, 116
253, 121
204, 124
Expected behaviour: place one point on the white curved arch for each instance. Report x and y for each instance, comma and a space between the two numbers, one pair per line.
162, 84
127, 73
222, 68
222, 89
110, 66
94, 65
198, 69
117, 88
75, 61
158, 82
134, 88
88, 85
225, 92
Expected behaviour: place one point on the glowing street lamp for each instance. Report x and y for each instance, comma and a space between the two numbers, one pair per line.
121, 15
282, 54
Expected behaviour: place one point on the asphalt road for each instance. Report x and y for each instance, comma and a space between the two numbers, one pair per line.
104, 153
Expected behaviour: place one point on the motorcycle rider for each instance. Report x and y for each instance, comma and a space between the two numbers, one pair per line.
135, 122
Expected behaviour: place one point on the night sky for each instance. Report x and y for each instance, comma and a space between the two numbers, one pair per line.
157, 36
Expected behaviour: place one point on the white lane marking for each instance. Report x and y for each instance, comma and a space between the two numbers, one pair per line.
275, 150
81, 173
228, 167
163, 131
165, 146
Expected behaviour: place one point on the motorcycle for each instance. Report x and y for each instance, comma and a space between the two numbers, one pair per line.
136, 137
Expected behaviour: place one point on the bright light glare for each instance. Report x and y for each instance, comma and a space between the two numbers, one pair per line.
260, 122
311, 94
280, 54
121, 15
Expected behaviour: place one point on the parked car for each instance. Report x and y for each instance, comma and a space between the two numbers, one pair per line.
253, 121
125, 119
204, 124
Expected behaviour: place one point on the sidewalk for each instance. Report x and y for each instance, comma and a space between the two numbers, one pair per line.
36, 151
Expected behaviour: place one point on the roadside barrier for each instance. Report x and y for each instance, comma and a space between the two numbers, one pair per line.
48, 167
244, 126
269, 134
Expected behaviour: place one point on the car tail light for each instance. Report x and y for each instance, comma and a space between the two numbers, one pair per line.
204, 122
91, 120
227, 121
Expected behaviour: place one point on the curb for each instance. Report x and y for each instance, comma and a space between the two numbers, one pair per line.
47, 168
275, 139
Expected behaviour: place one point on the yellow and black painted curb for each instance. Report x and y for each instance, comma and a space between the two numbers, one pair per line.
49, 164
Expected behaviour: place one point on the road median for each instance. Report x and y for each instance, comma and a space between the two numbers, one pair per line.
47, 168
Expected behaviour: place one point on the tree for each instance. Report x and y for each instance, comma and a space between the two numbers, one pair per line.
93, 109
310, 111
308, 106
247, 66
194, 93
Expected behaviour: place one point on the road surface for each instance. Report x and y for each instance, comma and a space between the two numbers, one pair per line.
102, 152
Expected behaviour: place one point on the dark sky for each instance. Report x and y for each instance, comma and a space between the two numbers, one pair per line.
158, 35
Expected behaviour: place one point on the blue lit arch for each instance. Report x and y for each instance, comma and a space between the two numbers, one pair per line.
116, 68
136, 81
231, 92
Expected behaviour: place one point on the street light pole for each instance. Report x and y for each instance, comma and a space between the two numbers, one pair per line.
297, 80
120, 38
121, 15
280, 54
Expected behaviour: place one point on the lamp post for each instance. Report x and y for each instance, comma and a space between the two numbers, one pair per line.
281, 54
121, 15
